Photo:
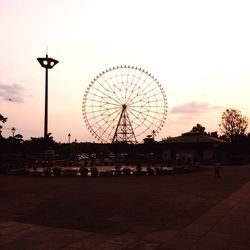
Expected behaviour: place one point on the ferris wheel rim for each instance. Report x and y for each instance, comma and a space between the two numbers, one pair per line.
115, 102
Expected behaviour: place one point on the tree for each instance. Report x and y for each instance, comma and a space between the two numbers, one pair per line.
233, 124
213, 134
18, 137
2, 118
199, 129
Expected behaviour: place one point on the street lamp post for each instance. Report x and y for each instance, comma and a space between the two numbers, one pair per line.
47, 63
13, 130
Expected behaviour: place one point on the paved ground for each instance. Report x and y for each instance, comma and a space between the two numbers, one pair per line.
189, 211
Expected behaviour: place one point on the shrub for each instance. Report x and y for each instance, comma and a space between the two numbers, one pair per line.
138, 167
150, 171
118, 172
127, 171
3, 169
57, 171
84, 172
21, 172
94, 172
35, 173
139, 173
158, 171
47, 171
70, 172
106, 173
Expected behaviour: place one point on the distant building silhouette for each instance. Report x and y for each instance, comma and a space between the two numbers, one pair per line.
198, 146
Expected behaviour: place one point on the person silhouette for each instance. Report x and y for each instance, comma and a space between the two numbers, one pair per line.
217, 170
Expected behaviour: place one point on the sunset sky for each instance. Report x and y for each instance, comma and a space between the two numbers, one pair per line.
198, 50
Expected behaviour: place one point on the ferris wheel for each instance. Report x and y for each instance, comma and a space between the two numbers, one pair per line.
124, 104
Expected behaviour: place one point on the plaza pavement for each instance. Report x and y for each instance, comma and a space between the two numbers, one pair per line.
219, 215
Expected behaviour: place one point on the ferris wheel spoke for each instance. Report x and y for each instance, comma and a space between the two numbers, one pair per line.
122, 76
110, 79
148, 115
103, 132
138, 99
94, 99
137, 115
135, 93
108, 96
147, 127
135, 84
146, 100
100, 122
104, 117
138, 96
127, 83
105, 106
109, 134
154, 108
111, 127
114, 88
115, 93
126, 87
155, 95
118, 83
136, 110
148, 107
99, 87
143, 127
153, 116
99, 101
102, 85
99, 118
145, 123
102, 108
140, 88
141, 95
130, 83
110, 87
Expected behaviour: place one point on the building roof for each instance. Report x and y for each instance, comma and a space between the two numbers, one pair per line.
192, 137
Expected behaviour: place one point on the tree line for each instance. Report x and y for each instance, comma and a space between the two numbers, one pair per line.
232, 128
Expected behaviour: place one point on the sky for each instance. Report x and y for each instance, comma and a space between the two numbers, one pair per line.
198, 50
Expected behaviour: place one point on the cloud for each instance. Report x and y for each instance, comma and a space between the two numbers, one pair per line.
192, 108
11, 92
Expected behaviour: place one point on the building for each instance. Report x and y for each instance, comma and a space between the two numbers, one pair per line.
193, 145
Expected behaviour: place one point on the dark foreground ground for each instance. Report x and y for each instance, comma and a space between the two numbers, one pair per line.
147, 212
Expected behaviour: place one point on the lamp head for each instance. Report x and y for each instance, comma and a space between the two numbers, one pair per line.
47, 62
